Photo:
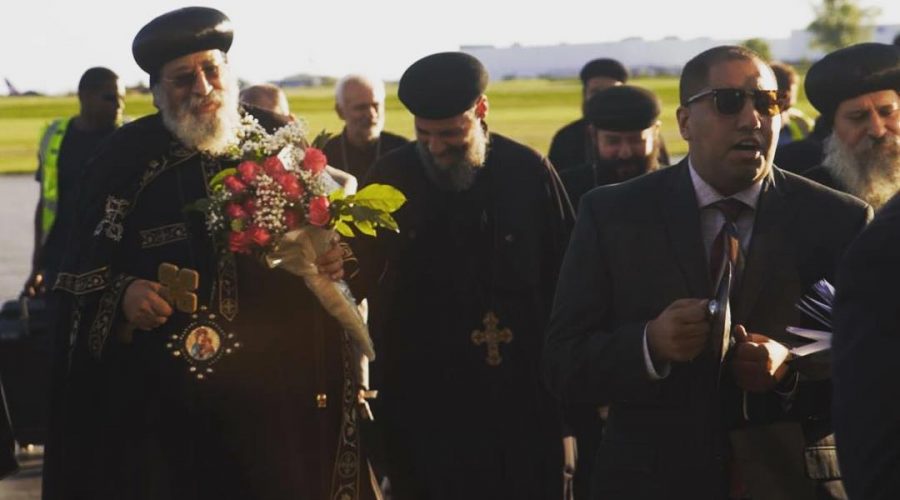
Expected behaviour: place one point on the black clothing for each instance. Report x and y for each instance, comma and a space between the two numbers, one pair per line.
865, 345
456, 424
823, 176
138, 423
636, 248
799, 156
356, 161
571, 146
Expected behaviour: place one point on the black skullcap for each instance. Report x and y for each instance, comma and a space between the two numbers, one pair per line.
609, 68
442, 85
623, 108
851, 72
179, 33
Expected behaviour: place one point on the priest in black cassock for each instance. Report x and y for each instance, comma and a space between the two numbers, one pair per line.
857, 90
572, 144
359, 102
624, 123
460, 296
253, 395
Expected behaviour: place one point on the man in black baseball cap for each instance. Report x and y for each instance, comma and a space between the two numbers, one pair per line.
624, 123
856, 90
460, 296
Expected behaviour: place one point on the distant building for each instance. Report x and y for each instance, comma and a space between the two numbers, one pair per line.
642, 57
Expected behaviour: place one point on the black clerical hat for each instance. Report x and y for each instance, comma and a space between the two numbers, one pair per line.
623, 108
609, 68
179, 33
851, 72
442, 85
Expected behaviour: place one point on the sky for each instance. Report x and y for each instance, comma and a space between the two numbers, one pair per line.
45, 45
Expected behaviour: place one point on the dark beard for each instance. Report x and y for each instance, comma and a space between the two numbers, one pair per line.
461, 173
618, 170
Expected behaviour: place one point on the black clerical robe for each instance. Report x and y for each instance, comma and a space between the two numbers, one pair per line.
273, 417
463, 410
357, 161
571, 146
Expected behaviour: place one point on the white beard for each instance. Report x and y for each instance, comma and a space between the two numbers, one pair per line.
870, 171
211, 134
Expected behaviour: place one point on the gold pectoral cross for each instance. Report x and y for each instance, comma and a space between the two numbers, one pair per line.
178, 287
492, 336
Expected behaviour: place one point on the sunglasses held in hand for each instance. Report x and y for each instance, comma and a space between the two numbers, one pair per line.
731, 101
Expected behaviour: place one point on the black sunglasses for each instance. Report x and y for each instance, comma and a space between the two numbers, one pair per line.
186, 80
731, 101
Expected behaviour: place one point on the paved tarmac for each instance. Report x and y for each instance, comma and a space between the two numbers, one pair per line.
18, 196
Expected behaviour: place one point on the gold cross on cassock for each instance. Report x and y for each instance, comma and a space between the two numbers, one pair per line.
178, 287
492, 336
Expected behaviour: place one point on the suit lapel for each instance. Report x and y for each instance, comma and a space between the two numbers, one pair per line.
679, 209
773, 216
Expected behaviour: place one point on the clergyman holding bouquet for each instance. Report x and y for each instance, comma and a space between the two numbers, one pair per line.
190, 219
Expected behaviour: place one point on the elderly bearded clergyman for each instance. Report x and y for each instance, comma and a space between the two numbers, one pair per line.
277, 417
856, 90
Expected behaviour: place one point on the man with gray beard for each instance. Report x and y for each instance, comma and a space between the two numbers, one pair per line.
268, 405
460, 296
856, 90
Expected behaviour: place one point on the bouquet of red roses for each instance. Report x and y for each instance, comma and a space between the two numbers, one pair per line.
283, 203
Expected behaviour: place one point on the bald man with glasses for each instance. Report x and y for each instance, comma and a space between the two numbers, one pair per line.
698, 409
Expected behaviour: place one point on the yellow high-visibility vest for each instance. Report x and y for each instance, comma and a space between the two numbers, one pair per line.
48, 163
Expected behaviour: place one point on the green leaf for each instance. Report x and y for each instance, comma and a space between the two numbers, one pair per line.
341, 227
220, 177
365, 227
336, 195
237, 225
388, 222
382, 197
321, 139
201, 205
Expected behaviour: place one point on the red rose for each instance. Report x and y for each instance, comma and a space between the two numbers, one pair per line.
249, 171
291, 219
234, 185
235, 211
260, 235
314, 160
273, 166
250, 207
318, 211
290, 185
239, 241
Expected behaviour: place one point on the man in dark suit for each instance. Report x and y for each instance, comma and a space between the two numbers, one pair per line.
630, 322
866, 339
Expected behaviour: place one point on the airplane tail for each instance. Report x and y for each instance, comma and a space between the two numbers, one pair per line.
12, 88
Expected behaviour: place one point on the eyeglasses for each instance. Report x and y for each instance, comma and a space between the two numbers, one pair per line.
731, 101
186, 80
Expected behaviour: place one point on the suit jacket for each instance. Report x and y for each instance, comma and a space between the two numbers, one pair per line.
636, 248
866, 341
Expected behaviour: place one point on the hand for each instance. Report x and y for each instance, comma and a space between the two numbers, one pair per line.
331, 263
679, 333
758, 362
34, 285
143, 307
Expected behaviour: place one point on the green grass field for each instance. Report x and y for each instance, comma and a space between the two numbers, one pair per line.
530, 111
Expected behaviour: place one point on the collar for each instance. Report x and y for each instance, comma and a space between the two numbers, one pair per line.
707, 195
